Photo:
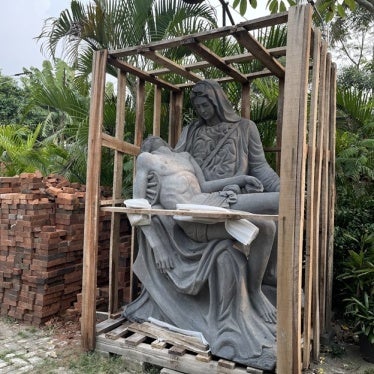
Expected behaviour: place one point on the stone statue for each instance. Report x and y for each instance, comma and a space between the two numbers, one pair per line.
193, 275
225, 145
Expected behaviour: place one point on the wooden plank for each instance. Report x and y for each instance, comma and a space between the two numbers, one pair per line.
108, 325
139, 120
254, 371
317, 200
310, 213
135, 339
214, 59
177, 350
141, 74
238, 58
246, 101
325, 201
226, 364
248, 41
117, 193
170, 65
272, 20
292, 191
118, 332
91, 229
229, 214
158, 344
257, 74
175, 117
280, 110
331, 196
119, 145
160, 357
156, 111
192, 343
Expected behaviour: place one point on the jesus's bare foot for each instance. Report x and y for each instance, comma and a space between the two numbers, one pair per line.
264, 307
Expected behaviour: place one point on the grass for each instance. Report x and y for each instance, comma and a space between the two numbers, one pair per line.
83, 363
89, 363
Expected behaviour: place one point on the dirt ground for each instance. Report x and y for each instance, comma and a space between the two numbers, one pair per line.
341, 355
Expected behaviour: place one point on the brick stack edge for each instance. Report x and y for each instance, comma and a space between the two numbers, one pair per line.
41, 248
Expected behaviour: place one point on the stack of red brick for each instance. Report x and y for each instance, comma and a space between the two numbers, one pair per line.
41, 246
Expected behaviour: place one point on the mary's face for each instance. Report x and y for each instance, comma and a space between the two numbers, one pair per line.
205, 110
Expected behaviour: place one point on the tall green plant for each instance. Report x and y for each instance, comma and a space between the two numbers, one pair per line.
22, 151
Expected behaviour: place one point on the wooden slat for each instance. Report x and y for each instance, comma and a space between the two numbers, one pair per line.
325, 200
135, 339
272, 20
108, 325
156, 128
257, 74
153, 331
139, 120
239, 58
170, 65
310, 211
230, 214
125, 67
226, 364
253, 46
160, 357
214, 59
280, 110
175, 117
246, 101
119, 145
118, 332
331, 203
91, 229
292, 191
116, 194
317, 200
177, 350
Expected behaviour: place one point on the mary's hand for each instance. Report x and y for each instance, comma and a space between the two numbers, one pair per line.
253, 185
232, 188
163, 260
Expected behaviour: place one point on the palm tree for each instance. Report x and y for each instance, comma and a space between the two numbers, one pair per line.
22, 151
115, 24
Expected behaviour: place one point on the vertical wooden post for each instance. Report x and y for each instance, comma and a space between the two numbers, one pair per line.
331, 196
279, 125
317, 199
91, 217
310, 212
324, 199
139, 121
157, 111
175, 117
292, 191
139, 130
246, 100
117, 194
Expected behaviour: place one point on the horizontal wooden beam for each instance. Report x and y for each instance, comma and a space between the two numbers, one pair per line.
258, 50
249, 77
119, 145
239, 58
124, 66
219, 215
170, 65
214, 59
267, 21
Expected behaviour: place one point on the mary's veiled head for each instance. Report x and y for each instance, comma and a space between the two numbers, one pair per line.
214, 93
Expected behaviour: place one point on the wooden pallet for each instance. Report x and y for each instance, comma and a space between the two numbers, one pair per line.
151, 344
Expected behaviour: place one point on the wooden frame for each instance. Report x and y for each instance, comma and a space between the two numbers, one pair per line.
305, 141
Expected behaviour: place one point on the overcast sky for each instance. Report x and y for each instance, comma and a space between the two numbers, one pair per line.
22, 20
